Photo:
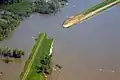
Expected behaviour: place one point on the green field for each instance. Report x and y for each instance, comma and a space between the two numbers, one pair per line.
41, 49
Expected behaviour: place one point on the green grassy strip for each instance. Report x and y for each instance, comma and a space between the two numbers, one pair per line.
101, 9
32, 57
102, 4
41, 49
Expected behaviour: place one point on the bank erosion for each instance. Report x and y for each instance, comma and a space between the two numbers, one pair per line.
38, 66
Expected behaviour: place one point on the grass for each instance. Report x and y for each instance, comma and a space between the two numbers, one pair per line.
41, 49
100, 5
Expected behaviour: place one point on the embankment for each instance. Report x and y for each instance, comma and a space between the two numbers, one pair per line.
41, 51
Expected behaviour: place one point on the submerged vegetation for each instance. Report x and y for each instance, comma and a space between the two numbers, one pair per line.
8, 54
39, 63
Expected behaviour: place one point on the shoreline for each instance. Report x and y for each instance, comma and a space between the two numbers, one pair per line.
23, 14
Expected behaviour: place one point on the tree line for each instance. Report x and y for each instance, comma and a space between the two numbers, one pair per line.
9, 1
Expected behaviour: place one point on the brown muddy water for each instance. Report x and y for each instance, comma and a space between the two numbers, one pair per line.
81, 50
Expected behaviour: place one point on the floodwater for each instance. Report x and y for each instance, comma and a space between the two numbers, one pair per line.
81, 50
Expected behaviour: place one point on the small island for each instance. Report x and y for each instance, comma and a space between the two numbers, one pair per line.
7, 54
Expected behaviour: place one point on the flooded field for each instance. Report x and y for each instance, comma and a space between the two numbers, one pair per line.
83, 51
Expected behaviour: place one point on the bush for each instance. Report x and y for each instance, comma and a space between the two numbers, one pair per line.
7, 52
63, 0
22, 9
7, 24
44, 7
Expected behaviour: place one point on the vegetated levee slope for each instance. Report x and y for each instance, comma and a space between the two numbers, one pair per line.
89, 13
42, 48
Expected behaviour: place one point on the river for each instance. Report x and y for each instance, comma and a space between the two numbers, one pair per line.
81, 50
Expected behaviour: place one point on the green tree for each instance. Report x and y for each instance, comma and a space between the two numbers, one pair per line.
9, 1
